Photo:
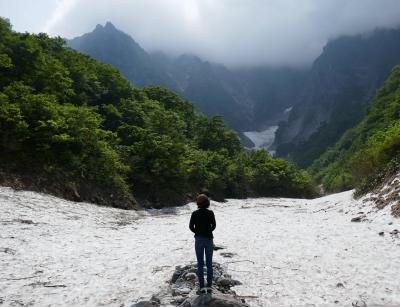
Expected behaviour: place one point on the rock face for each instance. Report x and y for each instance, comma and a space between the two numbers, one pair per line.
109, 45
343, 79
183, 290
249, 99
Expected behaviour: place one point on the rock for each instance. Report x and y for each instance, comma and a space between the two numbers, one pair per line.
178, 300
396, 210
359, 304
190, 276
381, 233
177, 273
228, 255
183, 291
146, 304
153, 302
8, 250
358, 218
29, 222
225, 282
339, 285
183, 286
215, 300
155, 299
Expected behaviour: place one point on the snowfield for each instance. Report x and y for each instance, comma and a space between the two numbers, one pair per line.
262, 139
287, 252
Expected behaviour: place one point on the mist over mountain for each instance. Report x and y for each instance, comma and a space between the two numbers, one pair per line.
249, 99
342, 81
114, 47
323, 102
235, 33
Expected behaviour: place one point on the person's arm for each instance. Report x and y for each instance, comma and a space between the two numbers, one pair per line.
213, 222
191, 223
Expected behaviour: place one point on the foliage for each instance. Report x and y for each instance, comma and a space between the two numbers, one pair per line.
363, 156
66, 115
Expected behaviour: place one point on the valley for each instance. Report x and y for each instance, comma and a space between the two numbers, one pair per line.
284, 114
285, 251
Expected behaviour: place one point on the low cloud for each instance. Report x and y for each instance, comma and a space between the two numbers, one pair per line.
233, 32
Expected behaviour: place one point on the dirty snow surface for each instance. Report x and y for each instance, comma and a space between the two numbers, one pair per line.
262, 139
286, 252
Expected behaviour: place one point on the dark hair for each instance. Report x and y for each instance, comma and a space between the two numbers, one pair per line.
203, 201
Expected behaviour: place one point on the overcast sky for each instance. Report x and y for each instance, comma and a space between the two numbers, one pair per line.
233, 32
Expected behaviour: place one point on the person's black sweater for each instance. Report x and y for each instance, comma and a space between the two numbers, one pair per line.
202, 223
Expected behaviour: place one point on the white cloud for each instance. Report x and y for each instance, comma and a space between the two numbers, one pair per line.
234, 32
63, 7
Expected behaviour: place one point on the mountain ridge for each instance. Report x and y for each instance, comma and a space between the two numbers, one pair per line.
212, 87
344, 77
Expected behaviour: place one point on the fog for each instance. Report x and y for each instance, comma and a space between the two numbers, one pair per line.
233, 32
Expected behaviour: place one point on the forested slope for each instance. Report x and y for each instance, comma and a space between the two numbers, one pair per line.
72, 126
341, 83
369, 152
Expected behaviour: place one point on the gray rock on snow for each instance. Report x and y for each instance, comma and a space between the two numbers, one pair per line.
190, 276
146, 304
359, 304
183, 289
358, 218
226, 282
213, 300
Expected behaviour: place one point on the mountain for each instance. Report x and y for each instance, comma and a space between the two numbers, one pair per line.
121, 51
369, 153
342, 81
211, 87
249, 99
313, 107
74, 127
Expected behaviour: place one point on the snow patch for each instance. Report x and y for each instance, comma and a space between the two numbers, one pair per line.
287, 252
262, 139
287, 110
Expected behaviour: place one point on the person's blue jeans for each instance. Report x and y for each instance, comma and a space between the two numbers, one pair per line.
204, 245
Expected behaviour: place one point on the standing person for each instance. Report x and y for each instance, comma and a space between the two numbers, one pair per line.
202, 223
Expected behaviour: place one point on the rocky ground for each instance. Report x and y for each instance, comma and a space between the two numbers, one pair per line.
183, 290
387, 195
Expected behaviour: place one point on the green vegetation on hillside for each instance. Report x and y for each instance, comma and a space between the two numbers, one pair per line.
74, 127
341, 83
370, 152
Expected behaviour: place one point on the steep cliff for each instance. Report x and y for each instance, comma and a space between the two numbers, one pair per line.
341, 82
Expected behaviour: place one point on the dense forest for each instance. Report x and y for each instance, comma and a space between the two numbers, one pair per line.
370, 152
74, 127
